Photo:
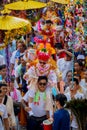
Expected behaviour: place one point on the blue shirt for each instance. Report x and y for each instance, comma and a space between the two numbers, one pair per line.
61, 120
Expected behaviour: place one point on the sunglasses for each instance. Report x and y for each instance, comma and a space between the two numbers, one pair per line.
42, 62
42, 84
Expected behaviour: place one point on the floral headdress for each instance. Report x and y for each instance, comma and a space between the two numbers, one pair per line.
44, 49
43, 54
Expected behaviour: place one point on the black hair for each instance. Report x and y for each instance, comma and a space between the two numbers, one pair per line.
61, 98
12, 78
69, 71
3, 84
2, 67
76, 81
49, 21
79, 62
58, 45
21, 56
24, 46
42, 78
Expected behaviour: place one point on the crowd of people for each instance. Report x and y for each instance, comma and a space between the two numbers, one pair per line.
47, 69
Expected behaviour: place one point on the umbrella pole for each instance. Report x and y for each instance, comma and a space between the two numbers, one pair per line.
8, 63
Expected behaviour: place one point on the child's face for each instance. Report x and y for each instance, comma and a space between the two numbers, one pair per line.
4, 90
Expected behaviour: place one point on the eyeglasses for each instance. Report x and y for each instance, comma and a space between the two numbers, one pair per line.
42, 84
41, 62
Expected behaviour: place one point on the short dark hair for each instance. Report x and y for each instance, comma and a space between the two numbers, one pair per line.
12, 78
49, 21
2, 66
58, 45
3, 84
61, 98
79, 63
76, 81
42, 78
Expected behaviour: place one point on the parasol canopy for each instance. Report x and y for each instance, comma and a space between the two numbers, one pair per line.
61, 1
66, 1
25, 5
6, 11
10, 23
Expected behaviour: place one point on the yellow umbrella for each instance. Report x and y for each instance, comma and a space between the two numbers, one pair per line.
79, 1
65, 1
10, 22
61, 1
24, 5
6, 11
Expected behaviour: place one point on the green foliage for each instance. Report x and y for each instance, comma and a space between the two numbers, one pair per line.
79, 108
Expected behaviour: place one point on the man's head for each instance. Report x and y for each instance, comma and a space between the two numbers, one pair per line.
58, 46
3, 88
12, 79
42, 83
60, 100
21, 46
3, 71
74, 84
78, 65
68, 57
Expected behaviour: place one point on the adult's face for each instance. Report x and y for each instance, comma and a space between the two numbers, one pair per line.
3, 72
76, 66
69, 76
20, 47
42, 85
73, 86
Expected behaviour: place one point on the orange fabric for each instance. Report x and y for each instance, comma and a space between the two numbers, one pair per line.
22, 117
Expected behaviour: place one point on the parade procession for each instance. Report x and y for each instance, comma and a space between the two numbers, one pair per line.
43, 64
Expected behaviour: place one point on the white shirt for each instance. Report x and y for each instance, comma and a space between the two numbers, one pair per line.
3, 113
38, 110
52, 77
83, 85
64, 66
13, 59
2, 60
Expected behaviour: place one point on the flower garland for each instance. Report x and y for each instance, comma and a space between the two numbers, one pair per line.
42, 71
11, 34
